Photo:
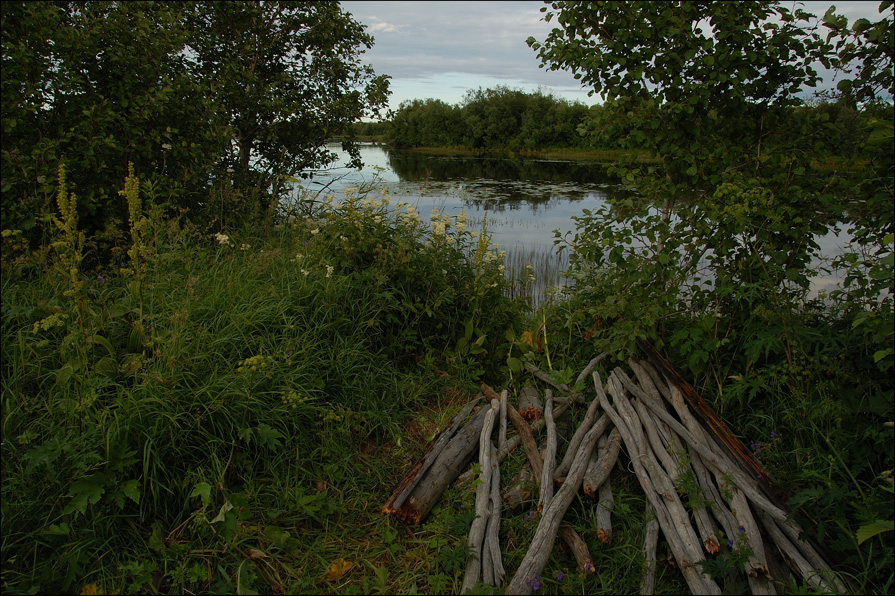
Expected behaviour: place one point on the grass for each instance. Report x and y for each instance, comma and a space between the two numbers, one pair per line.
234, 422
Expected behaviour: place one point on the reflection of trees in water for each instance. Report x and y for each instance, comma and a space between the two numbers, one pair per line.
410, 165
500, 183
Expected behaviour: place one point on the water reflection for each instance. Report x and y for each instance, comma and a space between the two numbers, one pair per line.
526, 200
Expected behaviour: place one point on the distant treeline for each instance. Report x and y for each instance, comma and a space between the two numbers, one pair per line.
499, 118
511, 119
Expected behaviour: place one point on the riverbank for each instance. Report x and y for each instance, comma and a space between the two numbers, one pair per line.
598, 155
231, 414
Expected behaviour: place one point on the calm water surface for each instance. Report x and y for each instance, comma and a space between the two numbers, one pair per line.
526, 200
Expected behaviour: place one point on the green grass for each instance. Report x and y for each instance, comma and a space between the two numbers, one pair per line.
235, 421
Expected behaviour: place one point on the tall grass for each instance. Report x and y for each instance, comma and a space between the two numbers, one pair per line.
155, 405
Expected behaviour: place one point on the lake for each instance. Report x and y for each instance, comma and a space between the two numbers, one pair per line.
526, 199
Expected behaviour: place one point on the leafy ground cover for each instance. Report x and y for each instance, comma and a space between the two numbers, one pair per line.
227, 412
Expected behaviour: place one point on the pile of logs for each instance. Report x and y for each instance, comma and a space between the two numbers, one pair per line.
704, 491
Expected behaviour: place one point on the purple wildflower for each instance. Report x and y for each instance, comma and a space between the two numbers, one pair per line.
535, 583
101, 279
741, 530
559, 576
729, 543
588, 567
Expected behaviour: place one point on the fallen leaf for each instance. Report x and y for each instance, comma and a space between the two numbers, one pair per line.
254, 553
338, 569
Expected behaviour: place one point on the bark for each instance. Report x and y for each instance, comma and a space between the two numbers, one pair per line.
530, 403
546, 489
455, 456
548, 527
650, 542
601, 463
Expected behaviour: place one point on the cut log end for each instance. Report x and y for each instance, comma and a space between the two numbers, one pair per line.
407, 514
604, 536
530, 414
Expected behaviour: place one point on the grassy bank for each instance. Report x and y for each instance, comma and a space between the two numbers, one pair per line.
227, 412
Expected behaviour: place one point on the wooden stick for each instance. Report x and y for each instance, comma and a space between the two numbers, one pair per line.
513, 442
433, 450
633, 439
572, 449
710, 456
650, 542
492, 534
502, 442
820, 577
546, 492
604, 512
482, 496
578, 547
601, 463
548, 527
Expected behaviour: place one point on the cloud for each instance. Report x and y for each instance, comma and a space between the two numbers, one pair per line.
378, 25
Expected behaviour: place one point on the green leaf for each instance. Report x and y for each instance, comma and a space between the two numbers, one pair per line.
84, 493
56, 530
131, 490
269, 437
222, 513
102, 341
107, 367
873, 529
202, 490
137, 339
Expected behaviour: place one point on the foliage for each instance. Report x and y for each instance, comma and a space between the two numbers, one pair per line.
287, 77
713, 259
498, 118
97, 85
219, 378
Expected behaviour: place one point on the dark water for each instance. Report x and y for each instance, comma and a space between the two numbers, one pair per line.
526, 200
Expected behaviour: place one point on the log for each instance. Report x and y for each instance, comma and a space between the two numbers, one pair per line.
604, 512
821, 578
578, 547
530, 403
519, 489
546, 489
502, 437
476, 536
572, 449
548, 527
633, 439
455, 456
492, 533
433, 450
650, 542
601, 463
513, 442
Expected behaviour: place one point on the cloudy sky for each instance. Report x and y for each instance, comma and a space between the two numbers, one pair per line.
443, 49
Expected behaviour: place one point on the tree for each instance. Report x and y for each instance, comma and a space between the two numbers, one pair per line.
288, 77
185, 91
98, 85
711, 88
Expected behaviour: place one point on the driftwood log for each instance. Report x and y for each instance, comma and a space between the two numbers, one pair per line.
705, 492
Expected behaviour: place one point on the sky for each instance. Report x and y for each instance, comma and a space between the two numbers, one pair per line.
441, 50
